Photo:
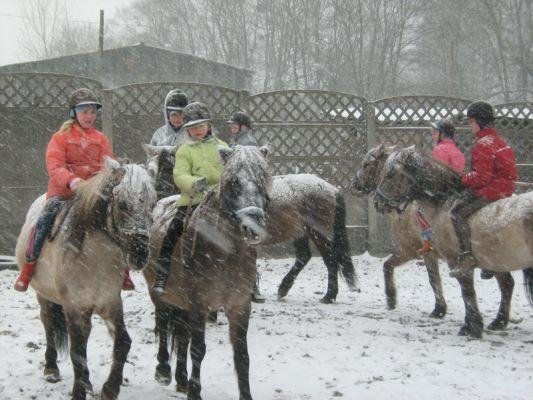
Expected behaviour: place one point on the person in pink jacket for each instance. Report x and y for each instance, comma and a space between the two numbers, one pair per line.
446, 152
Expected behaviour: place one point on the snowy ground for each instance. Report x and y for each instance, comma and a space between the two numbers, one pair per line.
301, 349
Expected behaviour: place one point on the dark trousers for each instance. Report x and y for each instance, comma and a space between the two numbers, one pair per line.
462, 210
44, 226
174, 232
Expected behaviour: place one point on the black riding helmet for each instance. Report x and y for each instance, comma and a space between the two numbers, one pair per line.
82, 97
445, 128
176, 100
195, 113
482, 112
240, 118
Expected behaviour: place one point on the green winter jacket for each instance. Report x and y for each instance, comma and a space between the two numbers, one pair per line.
195, 160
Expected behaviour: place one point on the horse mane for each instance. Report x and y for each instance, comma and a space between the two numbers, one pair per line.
88, 209
434, 181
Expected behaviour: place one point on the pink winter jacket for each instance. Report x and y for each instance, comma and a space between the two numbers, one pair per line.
447, 153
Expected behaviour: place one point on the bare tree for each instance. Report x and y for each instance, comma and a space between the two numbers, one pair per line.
42, 27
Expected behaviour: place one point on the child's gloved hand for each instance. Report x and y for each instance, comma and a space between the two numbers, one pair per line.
200, 185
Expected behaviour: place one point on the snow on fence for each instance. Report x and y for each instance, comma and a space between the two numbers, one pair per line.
311, 131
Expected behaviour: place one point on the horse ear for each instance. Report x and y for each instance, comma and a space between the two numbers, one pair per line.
265, 150
149, 149
224, 153
111, 164
116, 169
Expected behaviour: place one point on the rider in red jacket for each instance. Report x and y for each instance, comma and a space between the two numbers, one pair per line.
492, 176
75, 153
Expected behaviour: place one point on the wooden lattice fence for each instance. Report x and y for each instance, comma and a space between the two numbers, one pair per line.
320, 132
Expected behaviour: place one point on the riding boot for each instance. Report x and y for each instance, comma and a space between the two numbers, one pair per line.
426, 247
257, 297
127, 284
24, 278
161, 274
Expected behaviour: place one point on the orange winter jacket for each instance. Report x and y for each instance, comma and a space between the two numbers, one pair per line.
77, 153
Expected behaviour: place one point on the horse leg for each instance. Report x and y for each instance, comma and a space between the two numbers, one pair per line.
197, 324
181, 335
79, 328
325, 248
432, 266
341, 246
162, 320
388, 274
56, 334
473, 325
302, 255
238, 324
121, 348
506, 284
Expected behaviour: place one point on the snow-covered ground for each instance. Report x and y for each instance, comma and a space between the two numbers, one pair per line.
301, 349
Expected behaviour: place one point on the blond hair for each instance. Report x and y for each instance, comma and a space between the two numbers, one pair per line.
67, 125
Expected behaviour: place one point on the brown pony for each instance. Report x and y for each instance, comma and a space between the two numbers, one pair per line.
502, 232
104, 229
303, 207
214, 263
405, 231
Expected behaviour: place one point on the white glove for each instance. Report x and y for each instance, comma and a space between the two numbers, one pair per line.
74, 183
200, 185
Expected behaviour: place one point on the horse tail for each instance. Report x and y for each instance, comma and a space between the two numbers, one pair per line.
178, 329
528, 283
59, 327
341, 246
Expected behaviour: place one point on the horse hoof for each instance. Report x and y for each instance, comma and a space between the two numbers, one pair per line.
108, 394
282, 292
327, 300
438, 312
497, 325
471, 333
162, 379
52, 375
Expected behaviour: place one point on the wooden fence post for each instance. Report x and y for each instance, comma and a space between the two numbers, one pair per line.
371, 141
107, 113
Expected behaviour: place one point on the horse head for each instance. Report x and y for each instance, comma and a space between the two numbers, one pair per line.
118, 201
369, 175
409, 175
244, 189
160, 163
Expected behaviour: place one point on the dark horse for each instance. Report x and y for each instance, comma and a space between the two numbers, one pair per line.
405, 231
214, 264
104, 229
303, 207
502, 232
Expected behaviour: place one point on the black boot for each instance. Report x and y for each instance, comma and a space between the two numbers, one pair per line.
159, 283
257, 297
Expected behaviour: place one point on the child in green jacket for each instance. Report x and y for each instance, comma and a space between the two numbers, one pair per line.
197, 169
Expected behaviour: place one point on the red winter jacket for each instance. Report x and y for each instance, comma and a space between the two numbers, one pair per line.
77, 153
493, 166
447, 153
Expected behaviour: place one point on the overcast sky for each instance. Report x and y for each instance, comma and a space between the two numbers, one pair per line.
12, 23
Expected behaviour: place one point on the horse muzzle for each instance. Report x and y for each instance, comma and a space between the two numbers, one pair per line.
252, 225
137, 250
